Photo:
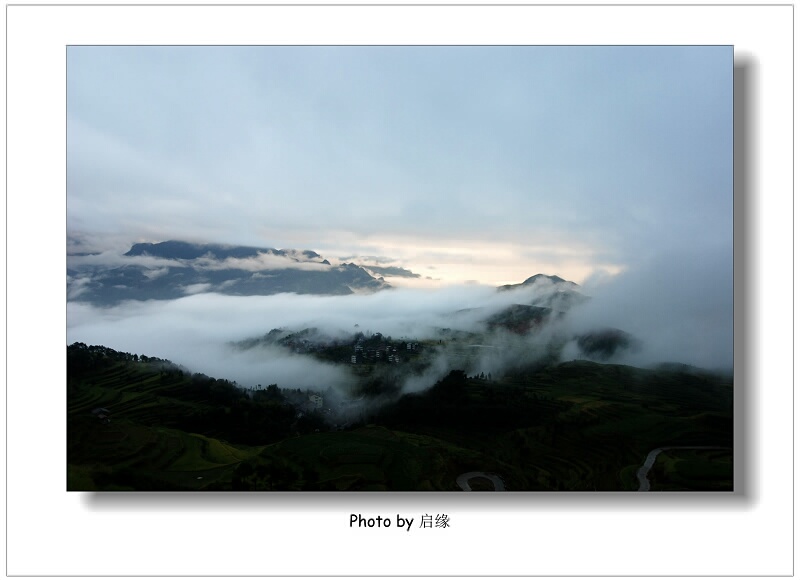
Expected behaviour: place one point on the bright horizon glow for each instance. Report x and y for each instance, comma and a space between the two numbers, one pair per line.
446, 262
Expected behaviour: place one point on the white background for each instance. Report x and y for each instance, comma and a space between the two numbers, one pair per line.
52, 532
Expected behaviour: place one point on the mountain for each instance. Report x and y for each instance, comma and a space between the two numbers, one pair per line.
172, 269
551, 297
540, 279
391, 271
519, 318
552, 292
177, 250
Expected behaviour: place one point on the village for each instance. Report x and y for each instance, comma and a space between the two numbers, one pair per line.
377, 349
359, 349
363, 352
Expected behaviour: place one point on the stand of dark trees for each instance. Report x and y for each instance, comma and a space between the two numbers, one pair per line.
197, 403
458, 404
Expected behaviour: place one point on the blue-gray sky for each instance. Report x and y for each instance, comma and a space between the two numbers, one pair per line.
460, 163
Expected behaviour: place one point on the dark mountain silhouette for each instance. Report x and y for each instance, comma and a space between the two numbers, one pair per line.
178, 250
552, 292
197, 268
539, 278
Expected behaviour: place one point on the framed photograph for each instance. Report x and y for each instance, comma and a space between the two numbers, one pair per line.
449, 268
332, 270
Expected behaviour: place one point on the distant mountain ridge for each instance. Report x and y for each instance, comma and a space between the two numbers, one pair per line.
173, 269
178, 250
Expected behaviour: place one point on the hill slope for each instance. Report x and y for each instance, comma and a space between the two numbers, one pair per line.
139, 423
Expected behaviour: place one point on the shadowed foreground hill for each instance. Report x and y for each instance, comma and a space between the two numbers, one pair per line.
139, 423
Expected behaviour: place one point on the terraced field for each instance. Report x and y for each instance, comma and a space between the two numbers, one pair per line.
140, 448
580, 426
374, 458
150, 457
616, 416
570, 427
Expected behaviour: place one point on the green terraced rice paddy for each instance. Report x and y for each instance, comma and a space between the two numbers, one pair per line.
571, 427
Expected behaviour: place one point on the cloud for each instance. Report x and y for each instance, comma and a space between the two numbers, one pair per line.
263, 261
577, 158
194, 288
113, 259
194, 331
369, 260
679, 304
77, 285
156, 273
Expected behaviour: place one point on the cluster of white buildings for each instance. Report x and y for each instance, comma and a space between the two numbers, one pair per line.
383, 352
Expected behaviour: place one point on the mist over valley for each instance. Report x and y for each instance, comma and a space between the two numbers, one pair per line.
544, 319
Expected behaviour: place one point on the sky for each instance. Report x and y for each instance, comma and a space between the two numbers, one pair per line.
482, 164
472, 166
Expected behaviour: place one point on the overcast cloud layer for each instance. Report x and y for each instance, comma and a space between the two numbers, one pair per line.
463, 163
608, 166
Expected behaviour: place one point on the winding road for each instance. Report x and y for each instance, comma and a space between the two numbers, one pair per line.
641, 474
463, 480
